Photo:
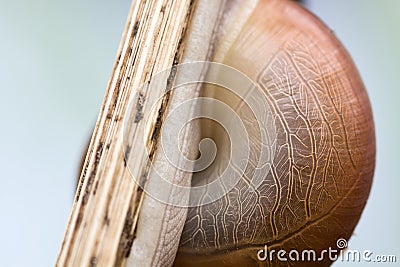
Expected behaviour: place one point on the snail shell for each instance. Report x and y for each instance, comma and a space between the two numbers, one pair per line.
323, 143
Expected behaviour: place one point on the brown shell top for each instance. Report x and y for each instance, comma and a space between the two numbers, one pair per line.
324, 161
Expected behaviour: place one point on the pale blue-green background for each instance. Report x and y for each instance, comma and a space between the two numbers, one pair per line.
55, 61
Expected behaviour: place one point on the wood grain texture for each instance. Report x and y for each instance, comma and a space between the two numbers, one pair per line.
103, 220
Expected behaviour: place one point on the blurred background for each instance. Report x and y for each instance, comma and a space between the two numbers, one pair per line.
55, 62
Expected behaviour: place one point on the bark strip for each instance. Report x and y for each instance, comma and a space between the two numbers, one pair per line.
101, 226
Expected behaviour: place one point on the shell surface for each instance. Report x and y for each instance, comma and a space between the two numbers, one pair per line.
324, 145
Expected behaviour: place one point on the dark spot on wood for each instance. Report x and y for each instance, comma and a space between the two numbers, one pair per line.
78, 219
84, 171
139, 107
126, 154
135, 28
93, 261
117, 89
134, 57
171, 78
88, 188
162, 10
106, 219
143, 179
157, 126
95, 187
85, 198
